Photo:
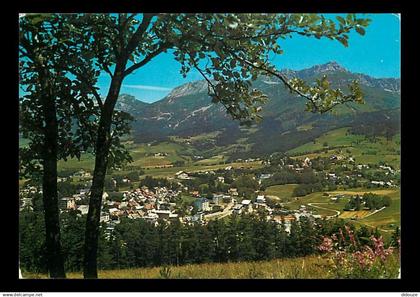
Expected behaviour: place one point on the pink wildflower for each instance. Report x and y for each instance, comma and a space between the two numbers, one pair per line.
341, 235
326, 245
351, 235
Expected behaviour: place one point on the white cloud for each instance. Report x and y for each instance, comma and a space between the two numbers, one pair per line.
149, 88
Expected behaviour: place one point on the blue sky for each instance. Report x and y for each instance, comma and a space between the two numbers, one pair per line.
376, 54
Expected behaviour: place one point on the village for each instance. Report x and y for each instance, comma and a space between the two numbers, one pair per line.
162, 203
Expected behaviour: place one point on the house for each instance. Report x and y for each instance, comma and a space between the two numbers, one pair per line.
261, 206
261, 199
381, 183
228, 168
173, 215
247, 205
198, 217
195, 193
83, 209
288, 222
27, 202
265, 175
123, 205
332, 176
113, 211
104, 218
233, 191
246, 202
336, 157
182, 175
307, 162
162, 214
202, 204
217, 198
221, 179
64, 202
134, 216
237, 208
71, 203
151, 217
149, 206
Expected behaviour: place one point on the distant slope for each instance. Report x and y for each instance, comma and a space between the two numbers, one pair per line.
187, 111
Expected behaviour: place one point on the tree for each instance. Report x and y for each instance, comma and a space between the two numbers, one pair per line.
49, 53
395, 238
236, 47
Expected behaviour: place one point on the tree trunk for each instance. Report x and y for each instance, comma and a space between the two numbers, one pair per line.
96, 191
49, 189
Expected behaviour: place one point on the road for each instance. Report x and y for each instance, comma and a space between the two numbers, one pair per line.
328, 217
220, 214
376, 211
338, 213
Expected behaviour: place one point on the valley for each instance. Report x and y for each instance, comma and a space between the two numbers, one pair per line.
196, 172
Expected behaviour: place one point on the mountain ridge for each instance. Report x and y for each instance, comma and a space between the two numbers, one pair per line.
187, 111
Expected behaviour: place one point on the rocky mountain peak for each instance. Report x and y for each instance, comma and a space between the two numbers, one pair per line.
188, 89
327, 67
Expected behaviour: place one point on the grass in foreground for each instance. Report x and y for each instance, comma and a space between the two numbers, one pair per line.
311, 267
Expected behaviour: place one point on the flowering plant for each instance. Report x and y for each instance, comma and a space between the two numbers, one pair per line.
349, 259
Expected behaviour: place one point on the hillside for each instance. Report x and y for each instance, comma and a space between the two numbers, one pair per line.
188, 112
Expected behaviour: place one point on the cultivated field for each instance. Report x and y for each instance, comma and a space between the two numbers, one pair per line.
363, 150
281, 192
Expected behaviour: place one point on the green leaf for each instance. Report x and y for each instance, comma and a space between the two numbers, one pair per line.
341, 20
360, 30
343, 41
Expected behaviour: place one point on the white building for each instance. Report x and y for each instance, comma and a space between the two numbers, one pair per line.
84, 209
261, 199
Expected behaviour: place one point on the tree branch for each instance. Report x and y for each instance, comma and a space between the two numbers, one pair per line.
135, 39
147, 59
209, 83
84, 79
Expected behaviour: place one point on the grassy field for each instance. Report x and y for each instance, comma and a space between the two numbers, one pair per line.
310, 267
161, 166
355, 214
332, 138
363, 150
317, 197
282, 192
170, 172
213, 160
307, 268
386, 220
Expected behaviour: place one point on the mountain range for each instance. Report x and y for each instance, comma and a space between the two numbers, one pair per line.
187, 112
